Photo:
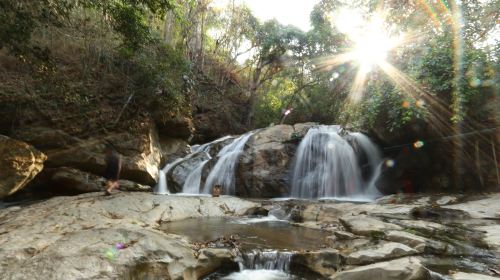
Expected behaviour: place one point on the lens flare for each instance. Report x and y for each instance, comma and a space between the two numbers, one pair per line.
418, 144
111, 254
372, 43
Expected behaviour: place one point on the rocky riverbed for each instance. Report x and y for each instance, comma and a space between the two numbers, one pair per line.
91, 236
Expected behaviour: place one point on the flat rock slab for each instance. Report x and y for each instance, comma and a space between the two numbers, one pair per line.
76, 237
407, 238
385, 251
487, 208
364, 225
492, 237
472, 276
406, 268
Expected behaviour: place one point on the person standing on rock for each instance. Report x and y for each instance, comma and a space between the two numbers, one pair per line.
113, 168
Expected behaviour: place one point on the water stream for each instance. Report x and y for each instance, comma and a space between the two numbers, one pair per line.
326, 165
267, 244
162, 187
223, 172
329, 163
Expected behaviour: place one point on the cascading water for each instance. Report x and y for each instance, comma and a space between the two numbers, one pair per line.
269, 260
223, 171
162, 187
326, 165
374, 157
264, 265
192, 184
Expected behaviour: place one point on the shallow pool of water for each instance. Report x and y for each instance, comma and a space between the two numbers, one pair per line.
260, 233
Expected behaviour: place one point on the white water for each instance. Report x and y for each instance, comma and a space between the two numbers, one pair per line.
207, 146
326, 166
269, 260
263, 265
260, 274
265, 219
223, 171
374, 160
162, 187
192, 183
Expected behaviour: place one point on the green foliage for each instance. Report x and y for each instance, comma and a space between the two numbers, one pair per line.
19, 19
157, 76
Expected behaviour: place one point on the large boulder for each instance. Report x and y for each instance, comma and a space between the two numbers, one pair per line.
324, 262
73, 181
176, 126
140, 150
19, 164
264, 169
172, 148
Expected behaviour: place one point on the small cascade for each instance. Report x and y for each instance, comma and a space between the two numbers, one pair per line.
207, 146
162, 184
192, 184
326, 165
223, 171
162, 187
374, 160
268, 260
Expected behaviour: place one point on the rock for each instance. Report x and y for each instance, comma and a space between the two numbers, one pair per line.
179, 173
172, 148
301, 129
175, 126
210, 259
344, 235
446, 200
141, 151
72, 181
471, 276
485, 208
412, 240
324, 262
45, 138
437, 212
322, 213
19, 164
385, 251
264, 168
364, 225
492, 237
73, 237
421, 225
406, 268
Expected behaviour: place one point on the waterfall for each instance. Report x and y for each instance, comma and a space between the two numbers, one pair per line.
223, 171
192, 184
268, 260
162, 187
374, 160
326, 165
207, 146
